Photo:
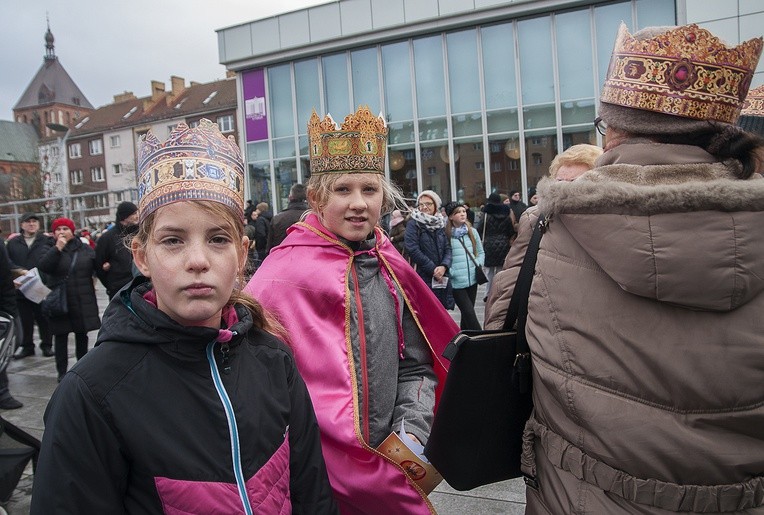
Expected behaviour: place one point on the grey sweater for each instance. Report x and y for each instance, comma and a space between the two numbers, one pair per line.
397, 388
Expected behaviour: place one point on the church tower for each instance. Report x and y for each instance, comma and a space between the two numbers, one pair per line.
52, 102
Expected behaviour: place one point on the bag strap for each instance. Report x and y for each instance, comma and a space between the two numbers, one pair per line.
71, 266
518, 306
470, 256
468, 252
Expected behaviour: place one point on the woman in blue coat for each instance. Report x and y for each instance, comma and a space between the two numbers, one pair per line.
466, 255
428, 246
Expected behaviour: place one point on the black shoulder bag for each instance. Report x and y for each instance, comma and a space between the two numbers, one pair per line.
476, 437
55, 304
479, 274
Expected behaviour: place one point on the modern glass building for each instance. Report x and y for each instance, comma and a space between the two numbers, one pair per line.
479, 95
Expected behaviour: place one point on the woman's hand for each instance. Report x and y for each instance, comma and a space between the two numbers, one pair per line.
61, 242
439, 272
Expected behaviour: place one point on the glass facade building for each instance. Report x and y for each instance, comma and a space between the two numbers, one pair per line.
482, 107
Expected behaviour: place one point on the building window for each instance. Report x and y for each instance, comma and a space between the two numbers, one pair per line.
75, 150
115, 142
225, 123
57, 177
117, 169
536, 158
75, 176
96, 148
100, 201
496, 166
119, 196
194, 124
96, 174
479, 165
54, 151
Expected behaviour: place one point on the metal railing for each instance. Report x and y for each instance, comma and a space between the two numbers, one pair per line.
87, 210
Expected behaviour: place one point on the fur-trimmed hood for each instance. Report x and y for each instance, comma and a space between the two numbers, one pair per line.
687, 234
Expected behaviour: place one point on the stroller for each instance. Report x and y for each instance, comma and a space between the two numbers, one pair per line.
17, 447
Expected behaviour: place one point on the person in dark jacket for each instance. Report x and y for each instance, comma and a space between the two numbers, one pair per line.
398, 224
516, 204
8, 306
262, 229
298, 204
80, 291
188, 403
497, 229
114, 262
428, 247
25, 252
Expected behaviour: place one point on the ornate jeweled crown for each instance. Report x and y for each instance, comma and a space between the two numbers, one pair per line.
357, 146
754, 102
193, 164
686, 71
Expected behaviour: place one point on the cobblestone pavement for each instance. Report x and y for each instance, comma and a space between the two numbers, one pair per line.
33, 379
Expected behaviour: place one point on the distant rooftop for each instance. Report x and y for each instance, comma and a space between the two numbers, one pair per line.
52, 84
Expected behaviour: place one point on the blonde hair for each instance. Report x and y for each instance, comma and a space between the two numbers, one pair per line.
319, 190
450, 228
581, 154
234, 228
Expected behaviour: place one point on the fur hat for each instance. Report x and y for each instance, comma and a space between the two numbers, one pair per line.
125, 209
451, 207
58, 222
434, 196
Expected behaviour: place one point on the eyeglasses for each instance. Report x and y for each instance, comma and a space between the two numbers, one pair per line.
426, 204
600, 125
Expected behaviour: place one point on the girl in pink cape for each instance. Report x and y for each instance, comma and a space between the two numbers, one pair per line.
366, 332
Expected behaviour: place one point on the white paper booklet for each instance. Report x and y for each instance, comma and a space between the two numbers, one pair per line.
31, 286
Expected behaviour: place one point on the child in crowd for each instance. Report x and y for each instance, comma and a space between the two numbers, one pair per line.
467, 256
189, 403
366, 332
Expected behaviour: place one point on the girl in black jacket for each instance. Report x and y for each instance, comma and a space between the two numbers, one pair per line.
188, 403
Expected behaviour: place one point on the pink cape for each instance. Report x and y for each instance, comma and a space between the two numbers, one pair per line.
303, 282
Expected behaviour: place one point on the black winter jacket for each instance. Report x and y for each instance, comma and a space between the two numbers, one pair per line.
148, 421
7, 290
496, 231
25, 257
110, 248
80, 291
283, 221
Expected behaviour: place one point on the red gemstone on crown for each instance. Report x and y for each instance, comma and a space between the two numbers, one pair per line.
690, 37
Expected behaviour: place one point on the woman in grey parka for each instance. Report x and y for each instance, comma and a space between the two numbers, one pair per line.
645, 315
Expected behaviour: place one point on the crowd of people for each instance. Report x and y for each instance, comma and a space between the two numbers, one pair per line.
307, 337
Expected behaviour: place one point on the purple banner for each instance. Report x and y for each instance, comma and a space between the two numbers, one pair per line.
255, 115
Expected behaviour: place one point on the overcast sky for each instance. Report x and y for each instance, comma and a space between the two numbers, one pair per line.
108, 46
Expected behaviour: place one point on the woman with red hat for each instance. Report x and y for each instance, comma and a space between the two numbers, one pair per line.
73, 262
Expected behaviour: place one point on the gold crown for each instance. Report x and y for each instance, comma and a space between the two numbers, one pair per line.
686, 71
754, 102
193, 164
357, 146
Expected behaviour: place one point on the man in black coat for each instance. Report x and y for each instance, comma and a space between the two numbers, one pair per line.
25, 252
281, 222
9, 306
114, 261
